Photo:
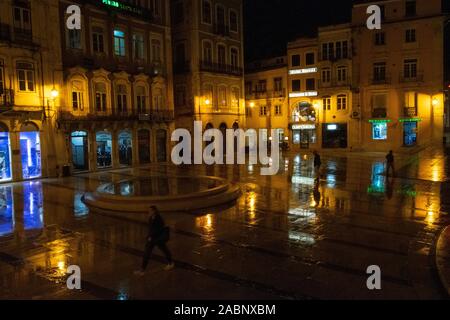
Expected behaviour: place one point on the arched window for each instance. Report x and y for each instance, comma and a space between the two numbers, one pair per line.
234, 21
207, 52
100, 97
235, 97
206, 12
104, 149
222, 96
77, 95
141, 99
80, 154
122, 97
125, 148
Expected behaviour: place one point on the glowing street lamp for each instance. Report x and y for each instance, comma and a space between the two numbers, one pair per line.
435, 102
207, 102
54, 93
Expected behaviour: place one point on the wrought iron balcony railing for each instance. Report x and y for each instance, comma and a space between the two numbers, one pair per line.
6, 99
221, 68
153, 116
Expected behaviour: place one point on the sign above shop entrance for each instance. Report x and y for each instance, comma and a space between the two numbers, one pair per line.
303, 127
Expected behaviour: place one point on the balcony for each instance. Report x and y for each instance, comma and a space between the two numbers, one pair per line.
255, 95
5, 32
409, 112
380, 80
23, 35
379, 113
6, 100
334, 58
334, 83
222, 30
221, 68
415, 78
155, 116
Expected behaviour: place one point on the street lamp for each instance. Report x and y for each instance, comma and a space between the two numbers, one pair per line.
54, 94
435, 102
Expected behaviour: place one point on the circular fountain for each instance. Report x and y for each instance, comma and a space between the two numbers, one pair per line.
166, 193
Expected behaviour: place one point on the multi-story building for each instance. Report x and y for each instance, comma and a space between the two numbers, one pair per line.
399, 72
372, 90
30, 79
267, 103
303, 79
117, 105
338, 111
208, 63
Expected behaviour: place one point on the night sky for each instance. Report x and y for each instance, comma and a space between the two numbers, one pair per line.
270, 24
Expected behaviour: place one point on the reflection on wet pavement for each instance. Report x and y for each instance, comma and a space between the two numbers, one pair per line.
286, 237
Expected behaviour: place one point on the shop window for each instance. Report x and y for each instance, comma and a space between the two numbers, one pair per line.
410, 133
104, 149
80, 156
125, 148
379, 131
5, 155
30, 150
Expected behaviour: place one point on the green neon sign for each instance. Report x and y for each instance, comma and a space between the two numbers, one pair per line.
124, 7
410, 120
379, 121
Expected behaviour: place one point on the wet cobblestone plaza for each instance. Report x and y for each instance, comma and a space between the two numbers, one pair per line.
283, 239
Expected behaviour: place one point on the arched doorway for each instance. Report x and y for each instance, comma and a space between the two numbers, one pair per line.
125, 148
30, 151
104, 149
144, 146
80, 152
161, 145
5, 154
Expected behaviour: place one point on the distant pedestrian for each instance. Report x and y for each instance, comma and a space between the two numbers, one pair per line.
158, 236
317, 164
390, 163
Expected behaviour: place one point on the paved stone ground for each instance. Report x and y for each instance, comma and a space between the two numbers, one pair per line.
283, 239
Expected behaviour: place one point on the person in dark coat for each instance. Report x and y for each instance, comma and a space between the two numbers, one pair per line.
317, 164
158, 236
390, 163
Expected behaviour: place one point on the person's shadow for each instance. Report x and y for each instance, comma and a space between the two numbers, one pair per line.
389, 187
316, 194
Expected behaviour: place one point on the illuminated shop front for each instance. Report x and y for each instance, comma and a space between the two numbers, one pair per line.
125, 148
144, 146
104, 149
379, 129
30, 151
6, 211
303, 127
410, 129
80, 150
5, 155
334, 135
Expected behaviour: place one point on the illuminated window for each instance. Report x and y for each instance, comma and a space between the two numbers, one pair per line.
80, 156
379, 131
25, 76
342, 102
326, 101
263, 111
119, 43
208, 94
77, 96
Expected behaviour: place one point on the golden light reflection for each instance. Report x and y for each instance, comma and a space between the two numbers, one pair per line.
430, 218
205, 222
252, 205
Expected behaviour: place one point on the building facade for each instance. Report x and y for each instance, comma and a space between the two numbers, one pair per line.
208, 63
30, 77
117, 104
356, 89
266, 95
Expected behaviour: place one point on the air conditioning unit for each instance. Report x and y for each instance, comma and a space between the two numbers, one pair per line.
356, 115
